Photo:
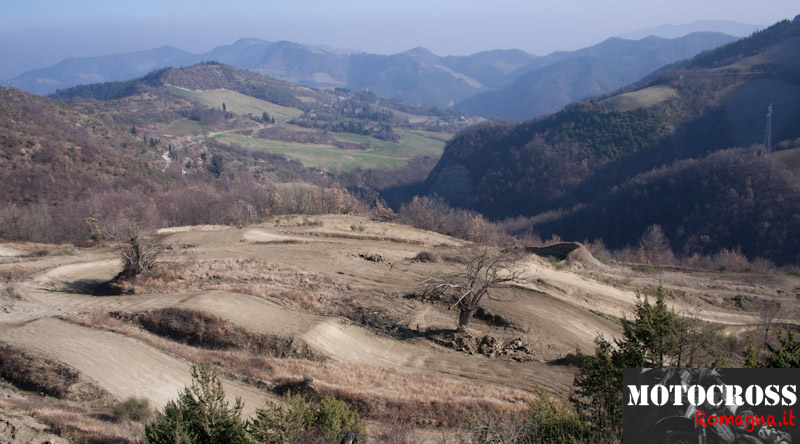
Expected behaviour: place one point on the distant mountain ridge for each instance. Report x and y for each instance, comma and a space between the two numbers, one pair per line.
417, 76
554, 81
669, 31
115, 67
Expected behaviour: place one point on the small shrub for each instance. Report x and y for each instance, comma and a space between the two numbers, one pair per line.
44, 251
548, 422
556, 263
372, 257
544, 422
355, 227
134, 409
278, 424
311, 223
332, 419
494, 320
298, 421
426, 256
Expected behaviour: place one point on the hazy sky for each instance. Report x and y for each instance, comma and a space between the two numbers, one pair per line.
39, 33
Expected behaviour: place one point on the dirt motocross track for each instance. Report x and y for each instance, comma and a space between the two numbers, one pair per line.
550, 312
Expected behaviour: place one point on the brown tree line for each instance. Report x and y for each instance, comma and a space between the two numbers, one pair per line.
84, 220
732, 200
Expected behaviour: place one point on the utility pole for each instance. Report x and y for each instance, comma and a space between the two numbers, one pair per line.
768, 132
250, 162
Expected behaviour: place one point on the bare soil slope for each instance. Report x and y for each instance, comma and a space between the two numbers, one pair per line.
343, 293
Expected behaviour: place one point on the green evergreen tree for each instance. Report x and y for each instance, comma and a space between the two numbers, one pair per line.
788, 354
201, 414
598, 389
279, 424
332, 419
297, 421
652, 333
648, 341
750, 355
169, 427
217, 164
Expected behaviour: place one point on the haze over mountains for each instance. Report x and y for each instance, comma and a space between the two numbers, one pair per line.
417, 76
675, 31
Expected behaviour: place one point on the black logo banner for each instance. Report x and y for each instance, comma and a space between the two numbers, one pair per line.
711, 406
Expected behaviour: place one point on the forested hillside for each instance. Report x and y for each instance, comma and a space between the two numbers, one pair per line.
730, 199
74, 174
580, 164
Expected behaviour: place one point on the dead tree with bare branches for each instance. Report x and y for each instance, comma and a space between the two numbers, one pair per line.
484, 271
139, 250
768, 313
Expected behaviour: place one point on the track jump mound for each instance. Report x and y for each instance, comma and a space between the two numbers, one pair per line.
573, 254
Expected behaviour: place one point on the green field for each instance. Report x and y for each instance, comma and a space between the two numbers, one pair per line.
185, 127
410, 145
331, 158
444, 137
238, 103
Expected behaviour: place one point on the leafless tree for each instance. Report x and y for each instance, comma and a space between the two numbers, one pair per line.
139, 254
654, 247
695, 341
500, 429
767, 313
138, 249
484, 271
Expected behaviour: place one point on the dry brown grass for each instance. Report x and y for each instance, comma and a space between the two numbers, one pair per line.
39, 249
316, 292
84, 428
426, 397
35, 373
14, 273
77, 421
205, 330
